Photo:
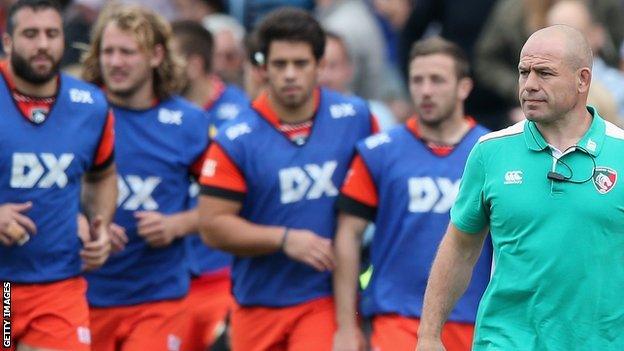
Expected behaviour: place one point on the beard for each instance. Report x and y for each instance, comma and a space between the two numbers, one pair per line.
23, 69
445, 113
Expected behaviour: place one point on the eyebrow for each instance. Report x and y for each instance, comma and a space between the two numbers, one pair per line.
536, 67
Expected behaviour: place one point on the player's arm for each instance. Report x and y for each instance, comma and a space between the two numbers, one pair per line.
450, 275
98, 199
356, 203
347, 247
221, 226
160, 230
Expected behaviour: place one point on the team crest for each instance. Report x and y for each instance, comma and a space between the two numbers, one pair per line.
604, 179
38, 115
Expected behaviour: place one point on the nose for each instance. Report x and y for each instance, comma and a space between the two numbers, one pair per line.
114, 58
426, 87
530, 82
290, 72
43, 42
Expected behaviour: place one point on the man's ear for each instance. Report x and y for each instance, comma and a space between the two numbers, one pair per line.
7, 43
583, 80
158, 55
464, 87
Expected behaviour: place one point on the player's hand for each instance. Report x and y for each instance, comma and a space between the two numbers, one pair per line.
119, 239
15, 227
157, 229
427, 344
97, 247
307, 247
349, 339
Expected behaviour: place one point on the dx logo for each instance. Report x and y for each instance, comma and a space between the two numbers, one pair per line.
136, 192
428, 194
312, 181
29, 170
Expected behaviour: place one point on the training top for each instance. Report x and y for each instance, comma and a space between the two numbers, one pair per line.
280, 183
44, 163
398, 182
157, 151
558, 245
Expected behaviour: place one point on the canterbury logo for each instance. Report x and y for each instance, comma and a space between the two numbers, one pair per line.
513, 177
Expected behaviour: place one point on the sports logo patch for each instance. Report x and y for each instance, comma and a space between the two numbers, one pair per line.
604, 179
38, 115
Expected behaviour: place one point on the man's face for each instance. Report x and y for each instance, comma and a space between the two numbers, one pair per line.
126, 66
434, 88
36, 47
547, 83
336, 71
228, 56
291, 72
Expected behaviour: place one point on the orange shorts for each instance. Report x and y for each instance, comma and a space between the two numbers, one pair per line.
208, 304
51, 315
309, 326
154, 326
396, 333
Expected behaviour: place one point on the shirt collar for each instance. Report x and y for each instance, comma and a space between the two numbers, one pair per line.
591, 142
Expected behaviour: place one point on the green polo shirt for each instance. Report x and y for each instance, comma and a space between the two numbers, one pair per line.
558, 282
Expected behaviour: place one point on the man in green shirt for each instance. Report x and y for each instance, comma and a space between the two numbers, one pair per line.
547, 189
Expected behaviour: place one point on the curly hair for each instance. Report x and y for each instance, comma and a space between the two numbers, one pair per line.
150, 30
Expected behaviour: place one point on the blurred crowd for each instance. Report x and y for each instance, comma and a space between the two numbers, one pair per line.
372, 38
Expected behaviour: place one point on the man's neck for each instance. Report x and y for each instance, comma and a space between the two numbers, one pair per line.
142, 99
201, 91
567, 131
297, 114
46, 89
448, 132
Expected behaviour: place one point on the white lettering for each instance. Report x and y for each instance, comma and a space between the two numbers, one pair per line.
27, 171
427, 194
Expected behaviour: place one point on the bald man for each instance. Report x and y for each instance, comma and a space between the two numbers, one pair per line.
546, 189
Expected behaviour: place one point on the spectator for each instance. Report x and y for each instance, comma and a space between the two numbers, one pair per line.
507, 29
336, 72
575, 13
229, 49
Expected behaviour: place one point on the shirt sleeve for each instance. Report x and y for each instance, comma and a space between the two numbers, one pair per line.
469, 213
358, 195
220, 177
196, 167
104, 154
374, 124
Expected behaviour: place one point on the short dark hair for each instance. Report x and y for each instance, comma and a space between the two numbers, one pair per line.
36, 5
294, 25
437, 45
194, 39
254, 55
